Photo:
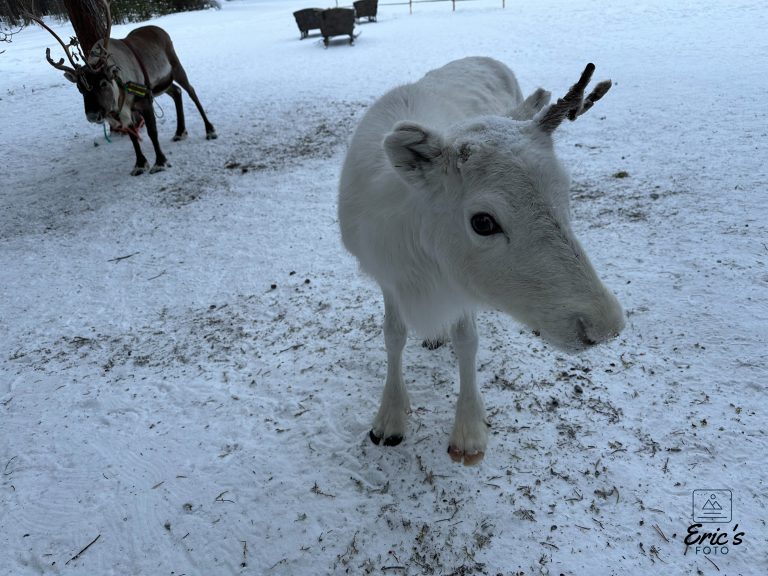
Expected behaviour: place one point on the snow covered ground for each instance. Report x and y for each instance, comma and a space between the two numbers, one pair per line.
190, 362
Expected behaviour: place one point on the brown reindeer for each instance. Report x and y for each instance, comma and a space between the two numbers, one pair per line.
120, 79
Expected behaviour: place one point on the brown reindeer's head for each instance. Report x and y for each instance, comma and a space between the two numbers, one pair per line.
96, 81
95, 77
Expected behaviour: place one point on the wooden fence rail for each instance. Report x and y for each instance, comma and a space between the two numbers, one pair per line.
410, 3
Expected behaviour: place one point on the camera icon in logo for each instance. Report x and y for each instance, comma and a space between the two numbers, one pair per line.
712, 505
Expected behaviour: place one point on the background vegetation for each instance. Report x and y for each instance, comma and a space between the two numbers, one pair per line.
11, 11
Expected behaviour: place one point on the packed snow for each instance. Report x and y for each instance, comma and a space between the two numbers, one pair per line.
190, 362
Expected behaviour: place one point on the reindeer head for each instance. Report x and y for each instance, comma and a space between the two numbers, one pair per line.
97, 82
498, 218
95, 77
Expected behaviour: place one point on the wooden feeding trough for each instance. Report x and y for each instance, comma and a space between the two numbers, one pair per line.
307, 19
366, 9
337, 22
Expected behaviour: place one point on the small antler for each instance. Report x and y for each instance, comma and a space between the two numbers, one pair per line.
573, 104
60, 64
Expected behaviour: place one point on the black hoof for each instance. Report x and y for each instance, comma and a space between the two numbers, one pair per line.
392, 440
159, 167
388, 441
139, 169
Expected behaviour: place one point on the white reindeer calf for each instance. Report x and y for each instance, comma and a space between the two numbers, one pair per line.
452, 198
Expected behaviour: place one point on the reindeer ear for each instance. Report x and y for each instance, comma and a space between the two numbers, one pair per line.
71, 77
531, 105
414, 151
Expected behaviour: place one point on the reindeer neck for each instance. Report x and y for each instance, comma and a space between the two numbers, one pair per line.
141, 64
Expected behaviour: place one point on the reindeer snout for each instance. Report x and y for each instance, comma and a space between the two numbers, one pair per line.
583, 333
95, 117
606, 326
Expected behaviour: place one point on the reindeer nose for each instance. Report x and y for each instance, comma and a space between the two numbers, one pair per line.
582, 331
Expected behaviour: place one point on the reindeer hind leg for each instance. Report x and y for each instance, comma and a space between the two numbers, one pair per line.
180, 77
181, 128
142, 164
161, 162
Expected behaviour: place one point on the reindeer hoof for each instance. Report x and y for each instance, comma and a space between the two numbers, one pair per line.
388, 441
159, 167
469, 458
178, 137
137, 170
211, 135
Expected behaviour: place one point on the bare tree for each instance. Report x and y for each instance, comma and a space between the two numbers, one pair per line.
10, 20
88, 17
6, 34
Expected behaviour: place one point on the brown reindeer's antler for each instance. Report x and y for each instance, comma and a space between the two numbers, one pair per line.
573, 104
107, 6
60, 64
103, 54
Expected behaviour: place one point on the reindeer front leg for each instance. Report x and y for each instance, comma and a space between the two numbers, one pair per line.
389, 423
470, 430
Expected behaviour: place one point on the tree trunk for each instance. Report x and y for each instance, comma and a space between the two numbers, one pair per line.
89, 19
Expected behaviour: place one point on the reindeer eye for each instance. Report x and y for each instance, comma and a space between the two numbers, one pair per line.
484, 224
103, 84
